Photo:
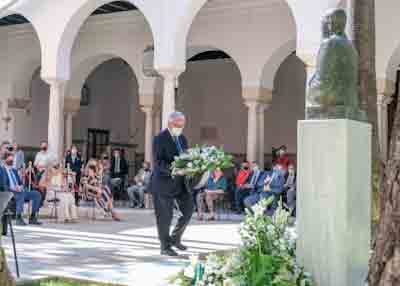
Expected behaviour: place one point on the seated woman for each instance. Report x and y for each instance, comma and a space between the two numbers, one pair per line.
216, 186
57, 189
99, 192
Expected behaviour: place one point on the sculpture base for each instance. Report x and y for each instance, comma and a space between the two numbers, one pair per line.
334, 200
335, 112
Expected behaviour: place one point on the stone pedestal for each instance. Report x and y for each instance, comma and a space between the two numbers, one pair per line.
334, 200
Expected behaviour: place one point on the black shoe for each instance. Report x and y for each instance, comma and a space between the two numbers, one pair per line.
34, 220
20, 221
179, 246
169, 252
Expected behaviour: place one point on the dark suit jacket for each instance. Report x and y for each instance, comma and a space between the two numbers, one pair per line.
123, 167
164, 152
16, 175
3, 180
75, 166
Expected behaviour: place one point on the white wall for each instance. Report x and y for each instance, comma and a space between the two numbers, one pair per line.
113, 92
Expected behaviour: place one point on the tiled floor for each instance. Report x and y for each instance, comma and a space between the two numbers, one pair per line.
120, 252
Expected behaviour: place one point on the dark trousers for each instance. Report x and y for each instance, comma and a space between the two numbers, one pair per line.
164, 207
240, 195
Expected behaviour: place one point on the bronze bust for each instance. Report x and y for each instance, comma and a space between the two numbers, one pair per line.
333, 89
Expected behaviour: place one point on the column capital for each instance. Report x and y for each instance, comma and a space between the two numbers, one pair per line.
72, 104
147, 99
383, 99
148, 109
385, 86
54, 81
170, 74
257, 93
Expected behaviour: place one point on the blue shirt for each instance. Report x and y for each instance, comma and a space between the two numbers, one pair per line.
220, 184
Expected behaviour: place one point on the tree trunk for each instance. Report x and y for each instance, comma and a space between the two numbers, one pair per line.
363, 23
385, 261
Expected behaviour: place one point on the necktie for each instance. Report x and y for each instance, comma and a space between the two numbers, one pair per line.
178, 145
13, 179
254, 178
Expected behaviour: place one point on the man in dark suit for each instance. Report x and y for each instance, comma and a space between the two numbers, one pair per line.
14, 184
119, 170
167, 189
74, 161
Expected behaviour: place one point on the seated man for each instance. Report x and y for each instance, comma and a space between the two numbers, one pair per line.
244, 190
15, 185
136, 192
273, 186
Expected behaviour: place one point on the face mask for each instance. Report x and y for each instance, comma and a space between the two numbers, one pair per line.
44, 148
177, 131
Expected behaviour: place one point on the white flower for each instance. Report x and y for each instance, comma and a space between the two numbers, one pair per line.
189, 272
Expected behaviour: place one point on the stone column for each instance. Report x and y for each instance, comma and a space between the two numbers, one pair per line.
157, 120
310, 61
68, 129
383, 101
261, 133
168, 100
56, 118
252, 129
148, 110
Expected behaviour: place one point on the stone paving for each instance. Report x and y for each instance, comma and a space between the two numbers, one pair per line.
117, 252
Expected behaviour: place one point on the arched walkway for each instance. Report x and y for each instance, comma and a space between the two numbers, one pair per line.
210, 95
109, 105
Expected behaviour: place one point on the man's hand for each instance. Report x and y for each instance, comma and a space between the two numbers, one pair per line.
180, 173
18, 189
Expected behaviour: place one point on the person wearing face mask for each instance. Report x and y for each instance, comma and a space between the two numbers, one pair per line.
142, 180
273, 187
15, 185
74, 161
283, 158
43, 158
244, 185
42, 162
119, 170
167, 189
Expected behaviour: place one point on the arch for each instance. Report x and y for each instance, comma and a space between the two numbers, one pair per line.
210, 91
192, 9
83, 70
193, 51
273, 63
22, 79
72, 27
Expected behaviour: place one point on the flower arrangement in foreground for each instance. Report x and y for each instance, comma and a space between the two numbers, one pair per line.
200, 159
266, 257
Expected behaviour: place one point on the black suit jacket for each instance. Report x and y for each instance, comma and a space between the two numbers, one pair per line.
164, 151
123, 168
75, 166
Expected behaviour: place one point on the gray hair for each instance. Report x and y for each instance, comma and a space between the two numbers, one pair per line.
173, 116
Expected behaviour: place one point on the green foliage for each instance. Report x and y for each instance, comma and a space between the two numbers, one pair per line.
266, 257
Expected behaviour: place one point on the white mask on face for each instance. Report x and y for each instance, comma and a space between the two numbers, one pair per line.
176, 131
